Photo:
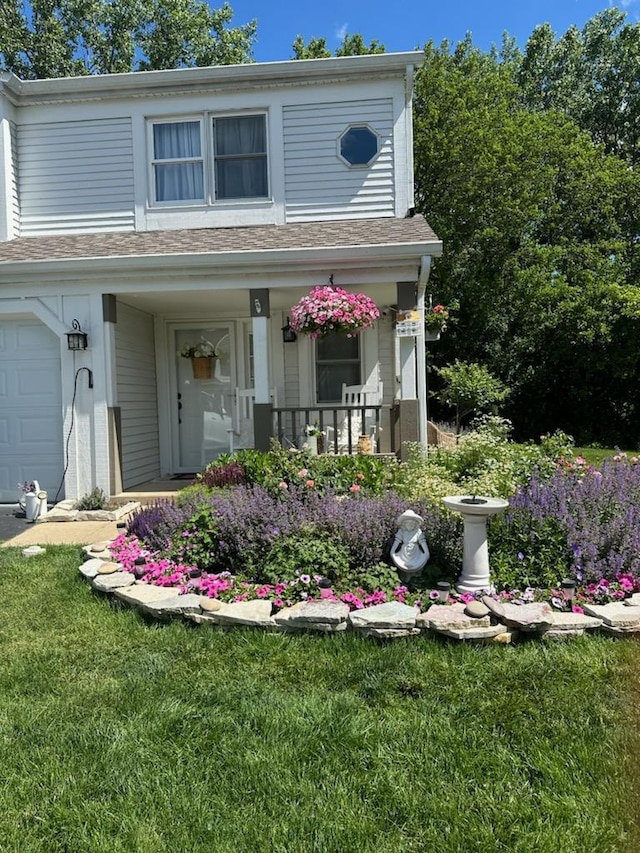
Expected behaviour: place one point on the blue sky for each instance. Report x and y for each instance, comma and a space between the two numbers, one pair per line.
402, 25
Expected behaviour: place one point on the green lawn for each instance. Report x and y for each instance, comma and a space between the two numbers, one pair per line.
123, 736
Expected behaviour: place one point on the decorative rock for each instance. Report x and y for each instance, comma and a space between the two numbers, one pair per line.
141, 593
33, 551
633, 600
493, 606
442, 617
528, 617
97, 547
474, 633
254, 613
210, 605
391, 615
111, 582
171, 605
476, 609
509, 636
314, 615
616, 615
109, 568
570, 625
90, 569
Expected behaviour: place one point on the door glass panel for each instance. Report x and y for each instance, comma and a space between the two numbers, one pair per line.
204, 404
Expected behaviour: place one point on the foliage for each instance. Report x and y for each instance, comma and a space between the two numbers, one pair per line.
351, 45
61, 38
96, 499
329, 309
223, 474
156, 524
540, 238
469, 387
581, 522
303, 554
484, 461
436, 318
203, 349
282, 469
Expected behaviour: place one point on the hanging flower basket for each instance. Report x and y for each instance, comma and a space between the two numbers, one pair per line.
201, 367
330, 309
435, 321
202, 355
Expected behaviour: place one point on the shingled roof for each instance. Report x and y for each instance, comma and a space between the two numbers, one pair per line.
357, 233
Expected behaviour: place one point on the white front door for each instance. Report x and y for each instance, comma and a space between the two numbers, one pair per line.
204, 405
31, 445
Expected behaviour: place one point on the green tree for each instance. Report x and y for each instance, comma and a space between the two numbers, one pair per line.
59, 38
469, 388
351, 45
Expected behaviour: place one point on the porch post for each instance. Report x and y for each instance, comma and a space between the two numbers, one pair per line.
406, 420
259, 309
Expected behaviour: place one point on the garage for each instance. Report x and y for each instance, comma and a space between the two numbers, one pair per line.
31, 445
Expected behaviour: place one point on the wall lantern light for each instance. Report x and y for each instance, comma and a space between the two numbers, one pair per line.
288, 335
77, 339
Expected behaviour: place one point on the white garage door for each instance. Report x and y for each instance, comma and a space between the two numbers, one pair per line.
30, 407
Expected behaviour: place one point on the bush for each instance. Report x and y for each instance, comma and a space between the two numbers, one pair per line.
96, 499
580, 522
309, 552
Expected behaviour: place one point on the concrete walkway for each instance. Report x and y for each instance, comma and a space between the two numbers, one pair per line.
24, 534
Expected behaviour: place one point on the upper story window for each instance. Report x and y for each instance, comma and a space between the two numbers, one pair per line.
199, 161
358, 145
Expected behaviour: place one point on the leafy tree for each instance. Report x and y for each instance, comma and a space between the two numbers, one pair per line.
352, 45
59, 38
470, 387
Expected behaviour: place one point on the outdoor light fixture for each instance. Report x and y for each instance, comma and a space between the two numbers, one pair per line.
443, 591
77, 339
288, 335
568, 589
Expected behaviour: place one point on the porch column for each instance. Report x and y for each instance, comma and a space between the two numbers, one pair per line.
259, 309
406, 416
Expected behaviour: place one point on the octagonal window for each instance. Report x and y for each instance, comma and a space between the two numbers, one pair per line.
358, 145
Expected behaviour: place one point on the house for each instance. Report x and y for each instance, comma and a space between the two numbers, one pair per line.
153, 210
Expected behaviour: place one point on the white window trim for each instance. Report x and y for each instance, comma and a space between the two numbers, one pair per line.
208, 157
353, 126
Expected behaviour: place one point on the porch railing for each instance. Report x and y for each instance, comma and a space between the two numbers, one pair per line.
341, 426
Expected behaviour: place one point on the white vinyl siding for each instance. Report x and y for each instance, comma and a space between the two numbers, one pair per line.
76, 177
15, 198
318, 183
136, 396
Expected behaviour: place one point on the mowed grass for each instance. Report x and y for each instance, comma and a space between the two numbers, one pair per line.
122, 736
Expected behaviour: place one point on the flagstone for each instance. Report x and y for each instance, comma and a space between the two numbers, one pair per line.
441, 617
171, 605
392, 615
318, 615
473, 633
536, 616
90, 569
616, 614
111, 582
254, 613
141, 593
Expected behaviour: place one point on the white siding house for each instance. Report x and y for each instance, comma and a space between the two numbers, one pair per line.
158, 209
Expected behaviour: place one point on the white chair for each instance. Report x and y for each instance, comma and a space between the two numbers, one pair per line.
241, 435
352, 425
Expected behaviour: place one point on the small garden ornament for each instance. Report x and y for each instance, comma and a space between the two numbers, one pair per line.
409, 551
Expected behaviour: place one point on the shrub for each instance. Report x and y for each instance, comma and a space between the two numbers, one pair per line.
96, 499
225, 473
307, 552
583, 522
155, 525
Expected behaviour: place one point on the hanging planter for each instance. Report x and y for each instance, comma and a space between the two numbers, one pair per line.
436, 318
202, 355
330, 309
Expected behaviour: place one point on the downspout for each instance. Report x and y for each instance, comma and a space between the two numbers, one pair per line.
421, 352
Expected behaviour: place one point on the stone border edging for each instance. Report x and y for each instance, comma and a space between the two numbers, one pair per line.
496, 623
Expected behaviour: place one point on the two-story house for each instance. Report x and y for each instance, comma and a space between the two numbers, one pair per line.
165, 208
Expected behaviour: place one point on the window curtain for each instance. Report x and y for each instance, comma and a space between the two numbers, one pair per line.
178, 181
241, 161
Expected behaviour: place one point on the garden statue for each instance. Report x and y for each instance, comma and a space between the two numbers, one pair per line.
409, 550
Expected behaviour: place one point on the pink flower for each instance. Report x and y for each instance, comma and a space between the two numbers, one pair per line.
302, 472
575, 608
282, 485
310, 483
354, 488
